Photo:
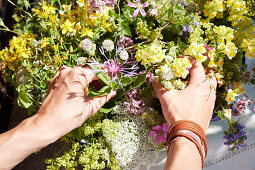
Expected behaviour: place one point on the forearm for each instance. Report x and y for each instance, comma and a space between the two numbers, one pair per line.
183, 155
20, 142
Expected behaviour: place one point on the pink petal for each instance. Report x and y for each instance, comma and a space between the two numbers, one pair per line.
146, 4
136, 13
205, 45
152, 133
130, 4
138, 1
142, 12
160, 139
165, 127
157, 128
210, 48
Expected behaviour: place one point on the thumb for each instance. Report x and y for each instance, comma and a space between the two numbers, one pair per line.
98, 102
197, 74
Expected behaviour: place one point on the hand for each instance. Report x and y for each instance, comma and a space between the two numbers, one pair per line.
195, 102
67, 105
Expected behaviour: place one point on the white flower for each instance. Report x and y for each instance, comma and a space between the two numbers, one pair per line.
228, 113
88, 46
124, 55
108, 45
81, 60
131, 144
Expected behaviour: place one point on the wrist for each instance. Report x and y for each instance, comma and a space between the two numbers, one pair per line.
21, 141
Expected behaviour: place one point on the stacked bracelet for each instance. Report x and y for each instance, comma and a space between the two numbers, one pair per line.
190, 130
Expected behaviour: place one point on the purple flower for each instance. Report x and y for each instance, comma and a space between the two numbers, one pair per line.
160, 133
139, 7
132, 94
215, 117
114, 67
126, 42
100, 4
135, 106
241, 106
235, 137
195, 22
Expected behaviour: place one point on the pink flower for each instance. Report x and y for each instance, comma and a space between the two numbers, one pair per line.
139, 7
160, 133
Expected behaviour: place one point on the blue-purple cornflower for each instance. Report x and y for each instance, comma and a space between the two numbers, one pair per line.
235, 137
115, 68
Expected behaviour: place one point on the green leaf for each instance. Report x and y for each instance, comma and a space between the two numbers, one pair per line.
104, 110
24, 100
101, 75
139, 80
104, 91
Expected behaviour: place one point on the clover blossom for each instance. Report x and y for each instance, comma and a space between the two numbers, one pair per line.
235, 137
139, 7
160, 133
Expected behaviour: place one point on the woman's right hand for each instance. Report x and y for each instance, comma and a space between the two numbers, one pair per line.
195, 102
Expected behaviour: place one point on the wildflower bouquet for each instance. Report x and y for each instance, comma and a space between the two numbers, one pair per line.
126, 43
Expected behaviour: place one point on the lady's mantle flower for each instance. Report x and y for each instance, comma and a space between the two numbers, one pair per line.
139, 7
160, 133
108, 45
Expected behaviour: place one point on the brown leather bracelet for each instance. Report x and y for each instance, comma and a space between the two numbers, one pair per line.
174, 131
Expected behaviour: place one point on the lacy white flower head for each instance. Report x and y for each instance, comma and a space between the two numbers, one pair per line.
88, 46
108, 45
123, 55
131, 143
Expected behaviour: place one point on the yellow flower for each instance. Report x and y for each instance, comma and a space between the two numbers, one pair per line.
67, 27
230, 96
197, 51
229, 49
87, 32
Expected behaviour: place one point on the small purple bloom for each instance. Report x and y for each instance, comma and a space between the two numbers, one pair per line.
135, 106
195, 22
139, 7
132, 94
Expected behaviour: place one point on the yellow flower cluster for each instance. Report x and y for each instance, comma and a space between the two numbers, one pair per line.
249, 47
197, 51
212, 8
180, 66
231, 96
237, 10
229, 49
19, 50
47, 11
151, 54
225, 35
